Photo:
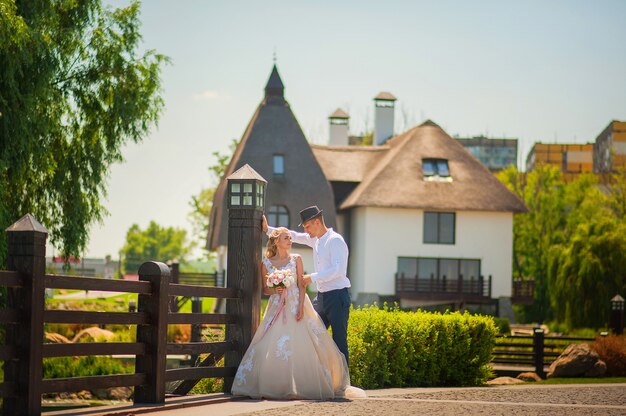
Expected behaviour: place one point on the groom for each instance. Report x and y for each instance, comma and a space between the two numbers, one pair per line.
330, 259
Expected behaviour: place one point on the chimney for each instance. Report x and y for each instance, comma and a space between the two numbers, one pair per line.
338, 128
383, 117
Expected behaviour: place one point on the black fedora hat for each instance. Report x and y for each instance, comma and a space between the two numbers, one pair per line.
309, 213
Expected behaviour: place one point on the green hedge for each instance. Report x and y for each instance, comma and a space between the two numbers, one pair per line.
393, 348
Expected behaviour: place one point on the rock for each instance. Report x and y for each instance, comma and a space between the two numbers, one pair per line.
113, 393
502, 381
120, 393
598, 369
84, 395
55, 338
92, 334
576, 361
530, 376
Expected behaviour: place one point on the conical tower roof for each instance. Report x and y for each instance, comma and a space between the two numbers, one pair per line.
275, 86
274, 131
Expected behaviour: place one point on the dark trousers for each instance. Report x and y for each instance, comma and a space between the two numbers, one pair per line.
334, 309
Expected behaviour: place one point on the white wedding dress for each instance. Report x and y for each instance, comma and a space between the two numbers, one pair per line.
291, 359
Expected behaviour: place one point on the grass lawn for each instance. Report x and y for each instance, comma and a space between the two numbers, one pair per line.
581, 380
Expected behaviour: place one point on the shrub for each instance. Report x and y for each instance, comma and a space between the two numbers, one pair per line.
393, 348
612, 350
62, 367
503, 325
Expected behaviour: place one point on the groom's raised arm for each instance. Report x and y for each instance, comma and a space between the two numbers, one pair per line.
296, 237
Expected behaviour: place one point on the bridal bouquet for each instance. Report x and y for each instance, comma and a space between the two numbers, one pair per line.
284, 278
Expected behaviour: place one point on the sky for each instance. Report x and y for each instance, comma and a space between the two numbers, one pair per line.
549, 71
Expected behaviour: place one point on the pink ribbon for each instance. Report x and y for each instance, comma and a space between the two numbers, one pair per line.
281, 306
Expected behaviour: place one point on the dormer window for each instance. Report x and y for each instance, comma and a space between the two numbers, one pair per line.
436, 170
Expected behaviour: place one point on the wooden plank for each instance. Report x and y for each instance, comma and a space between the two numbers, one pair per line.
198, 373
9, 316
82, 317
513, 344
201, 318
203, 291
196, 348
57, 281
525, 353
92, 382
93, 348
513, 361
7, 352
10, 279
8, 390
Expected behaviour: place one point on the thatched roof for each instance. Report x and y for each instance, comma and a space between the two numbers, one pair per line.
394, 177
347, 163
272, 130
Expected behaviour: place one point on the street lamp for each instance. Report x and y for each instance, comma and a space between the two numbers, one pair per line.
617, 314
246, 199
246, 189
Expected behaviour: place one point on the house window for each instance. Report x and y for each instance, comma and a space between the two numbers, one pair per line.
435, 169
439, 227
438, 268
279, 165
278, 216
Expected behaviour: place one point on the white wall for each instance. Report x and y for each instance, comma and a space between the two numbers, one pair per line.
381, 235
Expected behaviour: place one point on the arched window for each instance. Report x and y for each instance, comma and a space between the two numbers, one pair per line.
278, 216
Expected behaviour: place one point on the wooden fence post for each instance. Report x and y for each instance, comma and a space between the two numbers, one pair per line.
26, 254
174, 278
538, 345
154, 334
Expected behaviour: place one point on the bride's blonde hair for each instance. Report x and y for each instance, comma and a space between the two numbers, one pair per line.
271, 242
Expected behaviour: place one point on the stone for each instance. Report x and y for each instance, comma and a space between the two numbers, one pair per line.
93, 334
598, 369
502, 381
577, 360
113, 393
529, 376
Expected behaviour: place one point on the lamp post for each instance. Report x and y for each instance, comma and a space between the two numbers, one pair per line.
617, 314
245, 201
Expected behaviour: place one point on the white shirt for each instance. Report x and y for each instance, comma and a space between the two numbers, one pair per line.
330, 259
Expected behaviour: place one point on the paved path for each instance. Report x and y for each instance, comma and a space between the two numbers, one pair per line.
527, 399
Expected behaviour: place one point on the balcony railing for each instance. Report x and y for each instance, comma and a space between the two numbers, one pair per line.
523, 291
443, 289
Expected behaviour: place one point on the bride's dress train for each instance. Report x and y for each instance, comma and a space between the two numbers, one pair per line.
291, 359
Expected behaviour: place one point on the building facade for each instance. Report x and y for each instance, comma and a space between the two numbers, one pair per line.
609, 149
496, 154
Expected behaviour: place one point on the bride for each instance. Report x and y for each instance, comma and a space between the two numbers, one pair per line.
291, 356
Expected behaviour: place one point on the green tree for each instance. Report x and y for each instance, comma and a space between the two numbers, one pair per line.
155, 243
587, 271
202, 203
571, 242
73, 91
536, 231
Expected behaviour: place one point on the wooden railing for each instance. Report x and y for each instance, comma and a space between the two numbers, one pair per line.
443, 289
25, 315
535, 351
523, 291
